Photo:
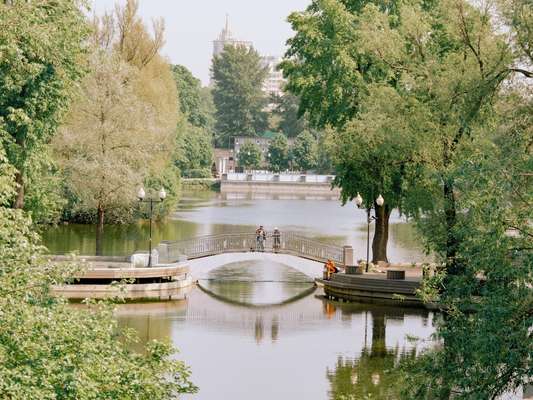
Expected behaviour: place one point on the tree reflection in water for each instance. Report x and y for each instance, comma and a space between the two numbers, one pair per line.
371, 375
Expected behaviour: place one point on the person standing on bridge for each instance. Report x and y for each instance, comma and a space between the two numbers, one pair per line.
276, 235
260, 237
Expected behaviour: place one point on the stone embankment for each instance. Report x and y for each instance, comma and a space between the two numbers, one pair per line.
280, 183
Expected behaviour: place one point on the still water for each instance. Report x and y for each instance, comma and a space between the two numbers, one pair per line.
260, 329
240, 344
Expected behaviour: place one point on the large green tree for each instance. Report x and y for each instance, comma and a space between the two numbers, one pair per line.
51, 350
194, 153
250, 156
431, 74
195, 102
121, 128
42, 55
303, 151
330, 70
238, 77
278, 153
486, 330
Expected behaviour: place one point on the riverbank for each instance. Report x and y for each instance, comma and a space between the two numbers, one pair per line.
200, 184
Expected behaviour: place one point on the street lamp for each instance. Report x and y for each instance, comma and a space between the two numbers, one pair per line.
141, 196
359, 202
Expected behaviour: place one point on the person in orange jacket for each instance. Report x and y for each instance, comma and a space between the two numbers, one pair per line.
330, 268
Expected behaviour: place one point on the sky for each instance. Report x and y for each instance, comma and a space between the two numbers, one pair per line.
192, 25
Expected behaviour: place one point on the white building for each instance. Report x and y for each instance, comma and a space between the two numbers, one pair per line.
274, 82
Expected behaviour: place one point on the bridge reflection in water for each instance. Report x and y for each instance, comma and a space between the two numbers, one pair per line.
311, 348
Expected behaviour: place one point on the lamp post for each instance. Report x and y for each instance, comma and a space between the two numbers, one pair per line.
141, 196
369, 218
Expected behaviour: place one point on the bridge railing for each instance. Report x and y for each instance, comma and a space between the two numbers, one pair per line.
289, 243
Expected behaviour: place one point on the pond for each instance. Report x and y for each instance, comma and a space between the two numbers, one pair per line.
261, 329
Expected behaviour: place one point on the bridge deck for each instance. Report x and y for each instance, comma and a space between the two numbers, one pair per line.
287, 243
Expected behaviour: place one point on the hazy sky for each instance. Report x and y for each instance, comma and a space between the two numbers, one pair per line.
192, 25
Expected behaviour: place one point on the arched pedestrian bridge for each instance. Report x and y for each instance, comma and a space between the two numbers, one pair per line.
205, 253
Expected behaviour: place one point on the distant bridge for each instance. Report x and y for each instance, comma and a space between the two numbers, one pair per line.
289, 243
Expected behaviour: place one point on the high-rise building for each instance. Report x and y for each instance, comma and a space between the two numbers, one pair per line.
274, 82
225, 38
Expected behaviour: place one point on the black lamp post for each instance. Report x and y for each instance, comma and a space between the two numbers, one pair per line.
141, 196
369, 218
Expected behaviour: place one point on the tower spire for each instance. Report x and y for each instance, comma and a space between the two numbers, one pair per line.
227, 22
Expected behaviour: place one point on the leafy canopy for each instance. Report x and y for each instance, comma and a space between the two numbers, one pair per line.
52, 350
250, 155
42, 56
278, 153
238, 76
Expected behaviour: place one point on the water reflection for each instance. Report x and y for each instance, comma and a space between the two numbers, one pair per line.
311, 348
257, 283
372, 373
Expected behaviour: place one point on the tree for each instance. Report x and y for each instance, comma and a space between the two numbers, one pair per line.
286, 108
487, 328
278, 153
193, 154
329, 72
194, 151
49, 349
324, 153
376, 153
42, 59
237, 93
195, 102
121, 128
250, 156
303, 152
108, 143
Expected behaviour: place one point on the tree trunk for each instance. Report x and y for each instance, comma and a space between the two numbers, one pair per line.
453, 267
19, 201
381, 234
100, 232
378, 334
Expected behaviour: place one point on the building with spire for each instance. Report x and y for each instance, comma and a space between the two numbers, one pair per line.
225, 38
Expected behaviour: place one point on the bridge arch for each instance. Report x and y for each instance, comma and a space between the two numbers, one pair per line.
200, 267
205, 253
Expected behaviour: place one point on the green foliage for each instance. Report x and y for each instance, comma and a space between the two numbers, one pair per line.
324, 154
409, 91
195, 102
51, 350
44, 197
41, 59
323, 64
238, 77
278, 151
286, 109
303, 152
194, 151
250, 156
487, 328
169, 179
121, 127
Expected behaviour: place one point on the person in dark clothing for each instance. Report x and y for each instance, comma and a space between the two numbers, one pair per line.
276, 236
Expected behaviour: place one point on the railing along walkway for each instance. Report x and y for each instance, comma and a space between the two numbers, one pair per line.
289, 243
